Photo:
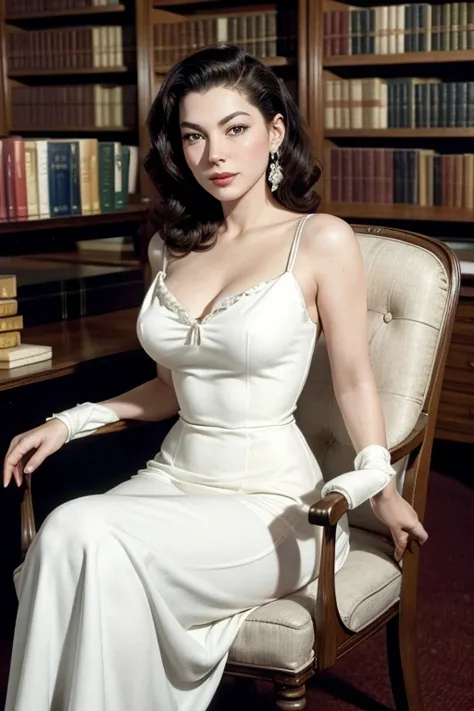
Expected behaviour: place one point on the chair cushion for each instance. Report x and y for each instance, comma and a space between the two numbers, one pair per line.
281, 634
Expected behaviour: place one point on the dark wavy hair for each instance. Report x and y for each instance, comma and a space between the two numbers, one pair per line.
186, 215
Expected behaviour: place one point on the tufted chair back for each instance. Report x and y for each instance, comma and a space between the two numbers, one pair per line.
406, 313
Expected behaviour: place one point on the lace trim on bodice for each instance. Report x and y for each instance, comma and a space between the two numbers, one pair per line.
169, 301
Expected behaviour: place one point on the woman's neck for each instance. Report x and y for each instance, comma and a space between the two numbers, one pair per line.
250, 211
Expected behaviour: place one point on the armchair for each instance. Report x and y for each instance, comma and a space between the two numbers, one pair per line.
413, 285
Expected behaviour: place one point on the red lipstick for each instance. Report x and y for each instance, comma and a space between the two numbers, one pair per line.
222, 179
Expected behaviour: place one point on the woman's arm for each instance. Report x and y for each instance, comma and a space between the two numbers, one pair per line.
152, 401
342, 305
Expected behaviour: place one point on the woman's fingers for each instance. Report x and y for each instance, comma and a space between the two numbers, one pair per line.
34, 458
419, 533
13, 460
402, 538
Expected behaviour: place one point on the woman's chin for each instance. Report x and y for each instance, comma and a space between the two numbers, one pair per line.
226, 193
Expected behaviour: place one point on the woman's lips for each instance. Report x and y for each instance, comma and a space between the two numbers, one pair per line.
223, 179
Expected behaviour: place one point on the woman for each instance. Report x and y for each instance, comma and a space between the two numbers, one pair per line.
131, 600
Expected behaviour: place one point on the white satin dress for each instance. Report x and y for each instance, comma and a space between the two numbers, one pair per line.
130, 600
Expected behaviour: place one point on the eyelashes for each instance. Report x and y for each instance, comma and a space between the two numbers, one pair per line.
234, 131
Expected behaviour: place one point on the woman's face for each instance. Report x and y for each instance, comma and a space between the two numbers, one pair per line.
226, 141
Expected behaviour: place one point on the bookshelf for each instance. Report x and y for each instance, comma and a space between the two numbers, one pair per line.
69, 75
397, 100
274, 32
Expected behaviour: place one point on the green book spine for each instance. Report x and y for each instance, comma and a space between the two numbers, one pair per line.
461, 104
106, 176
434, 97
118, 183
435, 27
451, 101
443, 106
454, 28
75, 179
125, 172
470, 104
445, 35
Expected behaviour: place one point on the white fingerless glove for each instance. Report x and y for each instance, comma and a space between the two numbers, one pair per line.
372, 473
84, 419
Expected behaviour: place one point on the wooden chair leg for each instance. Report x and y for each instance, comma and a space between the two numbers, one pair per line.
403, 666
290, 698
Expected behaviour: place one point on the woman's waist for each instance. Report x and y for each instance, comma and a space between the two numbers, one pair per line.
233, 423
242, 456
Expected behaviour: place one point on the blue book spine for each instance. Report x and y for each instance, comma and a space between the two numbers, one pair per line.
59, 178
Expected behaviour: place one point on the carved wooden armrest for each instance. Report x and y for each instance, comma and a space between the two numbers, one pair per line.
329, 510
326, 513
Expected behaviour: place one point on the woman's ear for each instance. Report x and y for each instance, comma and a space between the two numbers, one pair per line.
276, 132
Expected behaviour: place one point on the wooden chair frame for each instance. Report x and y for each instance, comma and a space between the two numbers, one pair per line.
333, 638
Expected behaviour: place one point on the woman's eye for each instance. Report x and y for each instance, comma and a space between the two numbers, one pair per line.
192, 137
237, 130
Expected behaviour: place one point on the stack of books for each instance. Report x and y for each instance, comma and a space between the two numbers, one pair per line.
14, 353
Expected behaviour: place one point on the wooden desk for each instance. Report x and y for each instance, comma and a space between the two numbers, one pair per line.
75, 342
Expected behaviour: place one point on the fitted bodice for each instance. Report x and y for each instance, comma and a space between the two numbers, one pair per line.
245, 363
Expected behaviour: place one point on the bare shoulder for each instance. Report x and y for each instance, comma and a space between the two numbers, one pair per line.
328, 239
327, 233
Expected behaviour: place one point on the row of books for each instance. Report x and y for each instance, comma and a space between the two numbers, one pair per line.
263, 34
19, 7
14, 353
410, 102
405, 176
56, 178
78, 105
394, 29
71, 48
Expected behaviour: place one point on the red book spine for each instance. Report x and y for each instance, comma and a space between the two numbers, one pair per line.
8, 172
336, 174
3, 195
379, 175
357, 179
388, 175
21, 204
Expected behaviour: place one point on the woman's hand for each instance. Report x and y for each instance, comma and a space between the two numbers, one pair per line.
28, 450
397, 514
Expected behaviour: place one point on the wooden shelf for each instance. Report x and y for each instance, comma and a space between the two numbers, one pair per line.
132, 212
74, 343
99, 10
365, 211
365, 60
399, 133
73, 129
268, 61
66, 72
160, 4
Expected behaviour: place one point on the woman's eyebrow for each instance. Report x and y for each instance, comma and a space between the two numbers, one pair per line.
226, 119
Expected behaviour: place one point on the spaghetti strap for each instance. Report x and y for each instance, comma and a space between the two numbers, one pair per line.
295, 243
165, 259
